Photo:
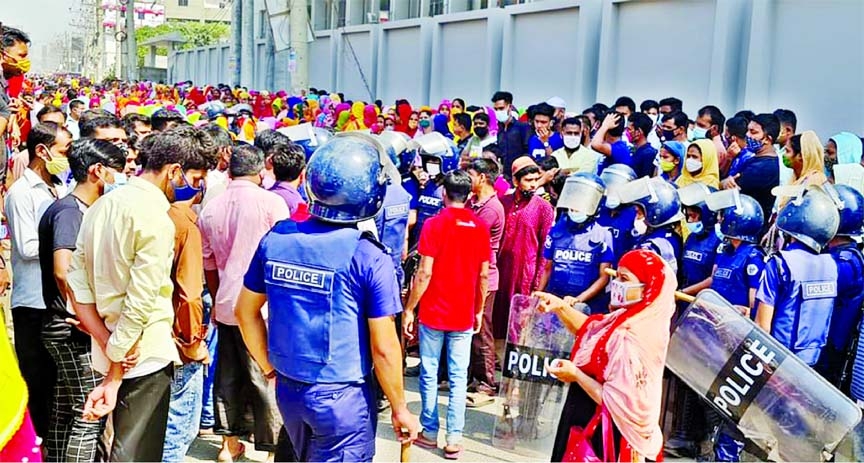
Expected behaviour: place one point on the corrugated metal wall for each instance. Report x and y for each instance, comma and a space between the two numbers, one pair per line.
761, 54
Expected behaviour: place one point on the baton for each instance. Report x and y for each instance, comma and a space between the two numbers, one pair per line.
405, 453
678, 294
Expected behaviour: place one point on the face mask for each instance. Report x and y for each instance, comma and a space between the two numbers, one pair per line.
526, 194
119, 180
612, 202
786, 162
57, 164
653, 118
502, 115
623, 294
572, 141
667, 166
424, 123
699, 133
577, 217
668, 135
481, 132
753, 145
186, 192
695, 227
717, 232
639, 227
22, 66
693, 165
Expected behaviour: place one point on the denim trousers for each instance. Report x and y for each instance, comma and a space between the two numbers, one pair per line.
458, 358
184, 412
208, 419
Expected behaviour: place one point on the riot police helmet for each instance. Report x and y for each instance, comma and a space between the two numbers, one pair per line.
345, 180
657, 198
582, 192
437, 152
852, 213
742, 215
613, 177
693, 196
812, 218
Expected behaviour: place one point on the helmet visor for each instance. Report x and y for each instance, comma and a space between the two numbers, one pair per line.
580, 195
693, 194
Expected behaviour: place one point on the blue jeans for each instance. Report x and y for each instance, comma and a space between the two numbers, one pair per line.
208, 419
185, 411
458, 359
328, 422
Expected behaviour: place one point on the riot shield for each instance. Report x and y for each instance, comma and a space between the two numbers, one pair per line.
530, 399
775, 399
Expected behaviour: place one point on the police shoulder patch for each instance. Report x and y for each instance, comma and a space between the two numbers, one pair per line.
752, 269
548, 243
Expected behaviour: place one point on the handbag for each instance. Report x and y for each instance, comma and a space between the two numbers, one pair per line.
579, 447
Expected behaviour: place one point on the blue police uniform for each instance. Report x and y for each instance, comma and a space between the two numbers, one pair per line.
323, 282
738, 271
697, 262
576, 252
428, 201
801, 286
665, 243
847, 310
392, 224
620, 224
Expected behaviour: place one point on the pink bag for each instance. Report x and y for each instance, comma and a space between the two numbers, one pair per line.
579, 447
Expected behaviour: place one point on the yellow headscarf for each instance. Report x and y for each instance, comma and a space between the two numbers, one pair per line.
710, 173
813, 169
14, 403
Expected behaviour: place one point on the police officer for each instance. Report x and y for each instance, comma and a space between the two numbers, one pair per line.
798, 288
616, 217
658, 212
736, 275
332, 297
438, 156
578, 249
700, 248
850, 290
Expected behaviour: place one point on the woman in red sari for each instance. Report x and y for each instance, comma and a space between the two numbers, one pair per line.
619, 357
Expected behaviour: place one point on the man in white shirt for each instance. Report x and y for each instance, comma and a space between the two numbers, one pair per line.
26, 201
76, 107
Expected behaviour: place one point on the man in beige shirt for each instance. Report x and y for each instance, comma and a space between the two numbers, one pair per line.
574, 156
121, 278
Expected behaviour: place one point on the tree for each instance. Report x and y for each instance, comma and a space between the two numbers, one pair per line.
197, 34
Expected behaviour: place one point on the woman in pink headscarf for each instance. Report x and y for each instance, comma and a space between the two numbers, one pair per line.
618, 358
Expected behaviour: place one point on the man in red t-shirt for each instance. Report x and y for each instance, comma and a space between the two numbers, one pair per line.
450, 286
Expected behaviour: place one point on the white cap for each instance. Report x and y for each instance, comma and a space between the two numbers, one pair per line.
556, 102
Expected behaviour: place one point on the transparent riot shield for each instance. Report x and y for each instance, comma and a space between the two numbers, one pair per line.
775, 399
530, 399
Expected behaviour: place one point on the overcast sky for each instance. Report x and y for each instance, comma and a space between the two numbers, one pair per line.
41, 19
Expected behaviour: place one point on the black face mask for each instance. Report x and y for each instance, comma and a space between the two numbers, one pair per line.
526, 194
481, 132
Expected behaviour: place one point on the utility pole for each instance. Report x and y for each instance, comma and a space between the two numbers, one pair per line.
131, 45
299, 20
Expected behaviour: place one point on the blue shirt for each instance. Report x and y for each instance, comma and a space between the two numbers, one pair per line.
319, 324
643, 160
739, 161
620, 155
738, 271
537, 150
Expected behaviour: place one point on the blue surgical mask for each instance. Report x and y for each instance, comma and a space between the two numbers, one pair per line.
577, 217
753, 145
119, 180
699, 133
185, 192
695, 227
718, 232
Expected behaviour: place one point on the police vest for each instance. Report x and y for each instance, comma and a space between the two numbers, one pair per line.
316, 325
730, 279
665, 243
575, 257
429, 204
805, 302
621, 227
847, 308
392, 225
697, 261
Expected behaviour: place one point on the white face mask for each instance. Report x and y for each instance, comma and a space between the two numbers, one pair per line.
653, 118
502, 115
623, 294
639, 227
577, 217
693, 165
699, 133
572, 141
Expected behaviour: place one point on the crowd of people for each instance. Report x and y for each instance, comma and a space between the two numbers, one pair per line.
177, 250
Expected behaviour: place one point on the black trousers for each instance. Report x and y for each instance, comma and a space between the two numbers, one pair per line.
239, 386
37, 366
141, 417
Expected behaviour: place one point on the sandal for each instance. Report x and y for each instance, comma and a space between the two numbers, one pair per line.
425, 443
233, 456
478, 399
453, 452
